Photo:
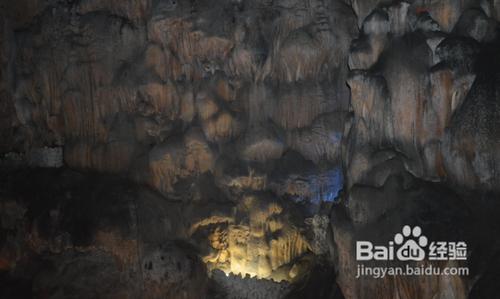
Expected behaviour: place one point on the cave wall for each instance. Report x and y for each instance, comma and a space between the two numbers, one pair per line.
423, 141
251, 116
125, 86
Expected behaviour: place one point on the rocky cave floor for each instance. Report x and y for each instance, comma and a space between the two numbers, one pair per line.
67, 234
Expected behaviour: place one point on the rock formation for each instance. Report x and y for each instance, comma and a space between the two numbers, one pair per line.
240, 149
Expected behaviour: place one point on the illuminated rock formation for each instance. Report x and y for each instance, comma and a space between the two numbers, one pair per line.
260, 241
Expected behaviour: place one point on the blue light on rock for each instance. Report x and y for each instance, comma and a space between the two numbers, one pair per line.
327, 185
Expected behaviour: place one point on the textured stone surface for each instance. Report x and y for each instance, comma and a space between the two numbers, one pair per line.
257, 137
